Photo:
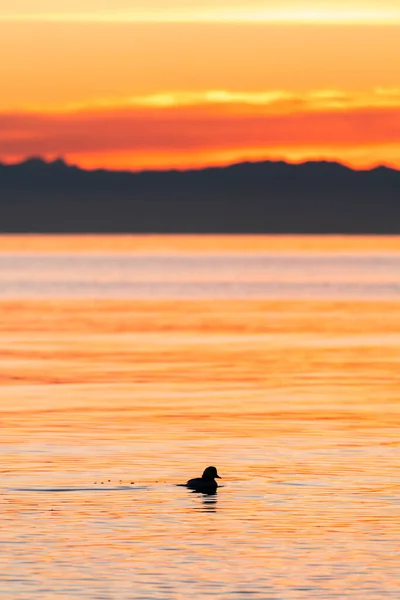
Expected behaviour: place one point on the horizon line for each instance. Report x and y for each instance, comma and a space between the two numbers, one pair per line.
185, 169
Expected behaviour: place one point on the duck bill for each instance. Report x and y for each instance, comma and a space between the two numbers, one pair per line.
217, 477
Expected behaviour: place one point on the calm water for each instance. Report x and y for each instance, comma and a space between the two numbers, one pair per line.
200, 275
127, 367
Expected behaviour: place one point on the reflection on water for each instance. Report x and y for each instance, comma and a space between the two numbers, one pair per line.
106, 405
200, 275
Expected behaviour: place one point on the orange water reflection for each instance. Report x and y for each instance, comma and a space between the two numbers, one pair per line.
197, 243
296, 402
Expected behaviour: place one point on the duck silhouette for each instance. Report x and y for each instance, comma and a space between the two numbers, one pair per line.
205, 484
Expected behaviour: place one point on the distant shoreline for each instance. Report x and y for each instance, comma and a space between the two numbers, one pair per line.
246, 198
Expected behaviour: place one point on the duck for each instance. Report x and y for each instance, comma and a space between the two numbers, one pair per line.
205, 484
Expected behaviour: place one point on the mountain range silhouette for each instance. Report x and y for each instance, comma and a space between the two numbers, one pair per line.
263, 197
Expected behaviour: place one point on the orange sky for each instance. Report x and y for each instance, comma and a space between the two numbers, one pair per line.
110, 84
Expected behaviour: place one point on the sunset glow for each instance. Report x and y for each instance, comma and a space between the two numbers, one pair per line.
112, 85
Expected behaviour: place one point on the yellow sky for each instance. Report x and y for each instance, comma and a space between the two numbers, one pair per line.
57, 64
255, 10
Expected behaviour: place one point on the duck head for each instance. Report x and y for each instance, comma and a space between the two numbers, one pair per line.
210, 473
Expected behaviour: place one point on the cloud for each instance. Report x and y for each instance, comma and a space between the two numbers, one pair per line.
281, 100
209, 122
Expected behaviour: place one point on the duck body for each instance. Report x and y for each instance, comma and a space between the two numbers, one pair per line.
204, 487
205, 484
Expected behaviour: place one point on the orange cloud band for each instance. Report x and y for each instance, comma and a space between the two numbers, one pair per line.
158, 131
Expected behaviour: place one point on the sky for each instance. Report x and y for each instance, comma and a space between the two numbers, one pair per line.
133, 85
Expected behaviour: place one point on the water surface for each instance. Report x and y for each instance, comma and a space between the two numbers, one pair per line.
112, 392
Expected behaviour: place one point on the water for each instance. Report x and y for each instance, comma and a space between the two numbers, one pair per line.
200, 275
277, 363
